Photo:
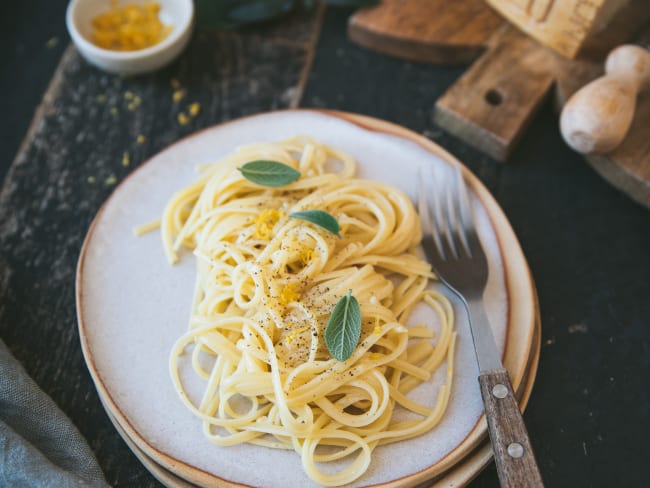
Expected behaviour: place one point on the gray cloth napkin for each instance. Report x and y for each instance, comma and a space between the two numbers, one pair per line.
39, 445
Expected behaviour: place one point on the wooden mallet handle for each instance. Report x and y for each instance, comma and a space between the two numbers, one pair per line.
596, 118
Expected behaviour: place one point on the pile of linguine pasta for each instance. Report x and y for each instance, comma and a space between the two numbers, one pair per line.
266, 286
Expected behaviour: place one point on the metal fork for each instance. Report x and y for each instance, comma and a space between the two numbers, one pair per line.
452, 245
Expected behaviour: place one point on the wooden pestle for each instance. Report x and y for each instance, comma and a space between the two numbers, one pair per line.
597, 117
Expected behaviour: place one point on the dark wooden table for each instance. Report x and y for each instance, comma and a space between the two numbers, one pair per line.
587, 244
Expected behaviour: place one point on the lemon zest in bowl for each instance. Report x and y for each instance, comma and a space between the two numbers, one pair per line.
130, 27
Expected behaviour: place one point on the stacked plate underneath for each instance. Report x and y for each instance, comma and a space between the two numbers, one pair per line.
132, 306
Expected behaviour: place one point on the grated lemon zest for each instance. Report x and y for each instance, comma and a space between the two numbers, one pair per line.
265, 222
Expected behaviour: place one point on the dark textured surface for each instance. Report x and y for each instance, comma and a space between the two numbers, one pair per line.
34, 37
588, 245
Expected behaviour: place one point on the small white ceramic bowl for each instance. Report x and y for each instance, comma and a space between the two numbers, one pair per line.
177, 13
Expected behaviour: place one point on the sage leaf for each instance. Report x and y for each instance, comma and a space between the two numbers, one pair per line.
269, 173
320, 218
344, 328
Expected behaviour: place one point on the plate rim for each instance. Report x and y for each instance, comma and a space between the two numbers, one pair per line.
503, 232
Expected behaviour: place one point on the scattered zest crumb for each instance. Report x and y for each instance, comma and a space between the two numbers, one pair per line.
289, 294
134, 103
175, 83
101, 98
126, 159
128, 95
52, 42
91, 180
194, 109
114, 111
111, 180
178, 95
141, 139
183, 119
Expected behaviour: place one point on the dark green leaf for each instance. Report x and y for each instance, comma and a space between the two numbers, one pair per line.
269, 173
253, 11
344, 328
351, 3
320, 218
229, 14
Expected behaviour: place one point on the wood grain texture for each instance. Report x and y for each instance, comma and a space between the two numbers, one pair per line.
491, 104
70, 161
628, 166
433, 31
507, 431
562, 25
624, 24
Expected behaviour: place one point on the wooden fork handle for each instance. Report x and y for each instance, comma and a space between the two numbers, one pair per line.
515, 460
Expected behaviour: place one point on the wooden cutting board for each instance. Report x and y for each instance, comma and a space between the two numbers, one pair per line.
491, 104
433, 31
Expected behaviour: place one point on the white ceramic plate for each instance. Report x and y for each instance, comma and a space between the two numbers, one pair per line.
132, 306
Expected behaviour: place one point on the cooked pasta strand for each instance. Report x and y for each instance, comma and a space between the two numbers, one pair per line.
266, 285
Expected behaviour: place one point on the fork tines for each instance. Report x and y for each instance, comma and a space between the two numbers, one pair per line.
445, 212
